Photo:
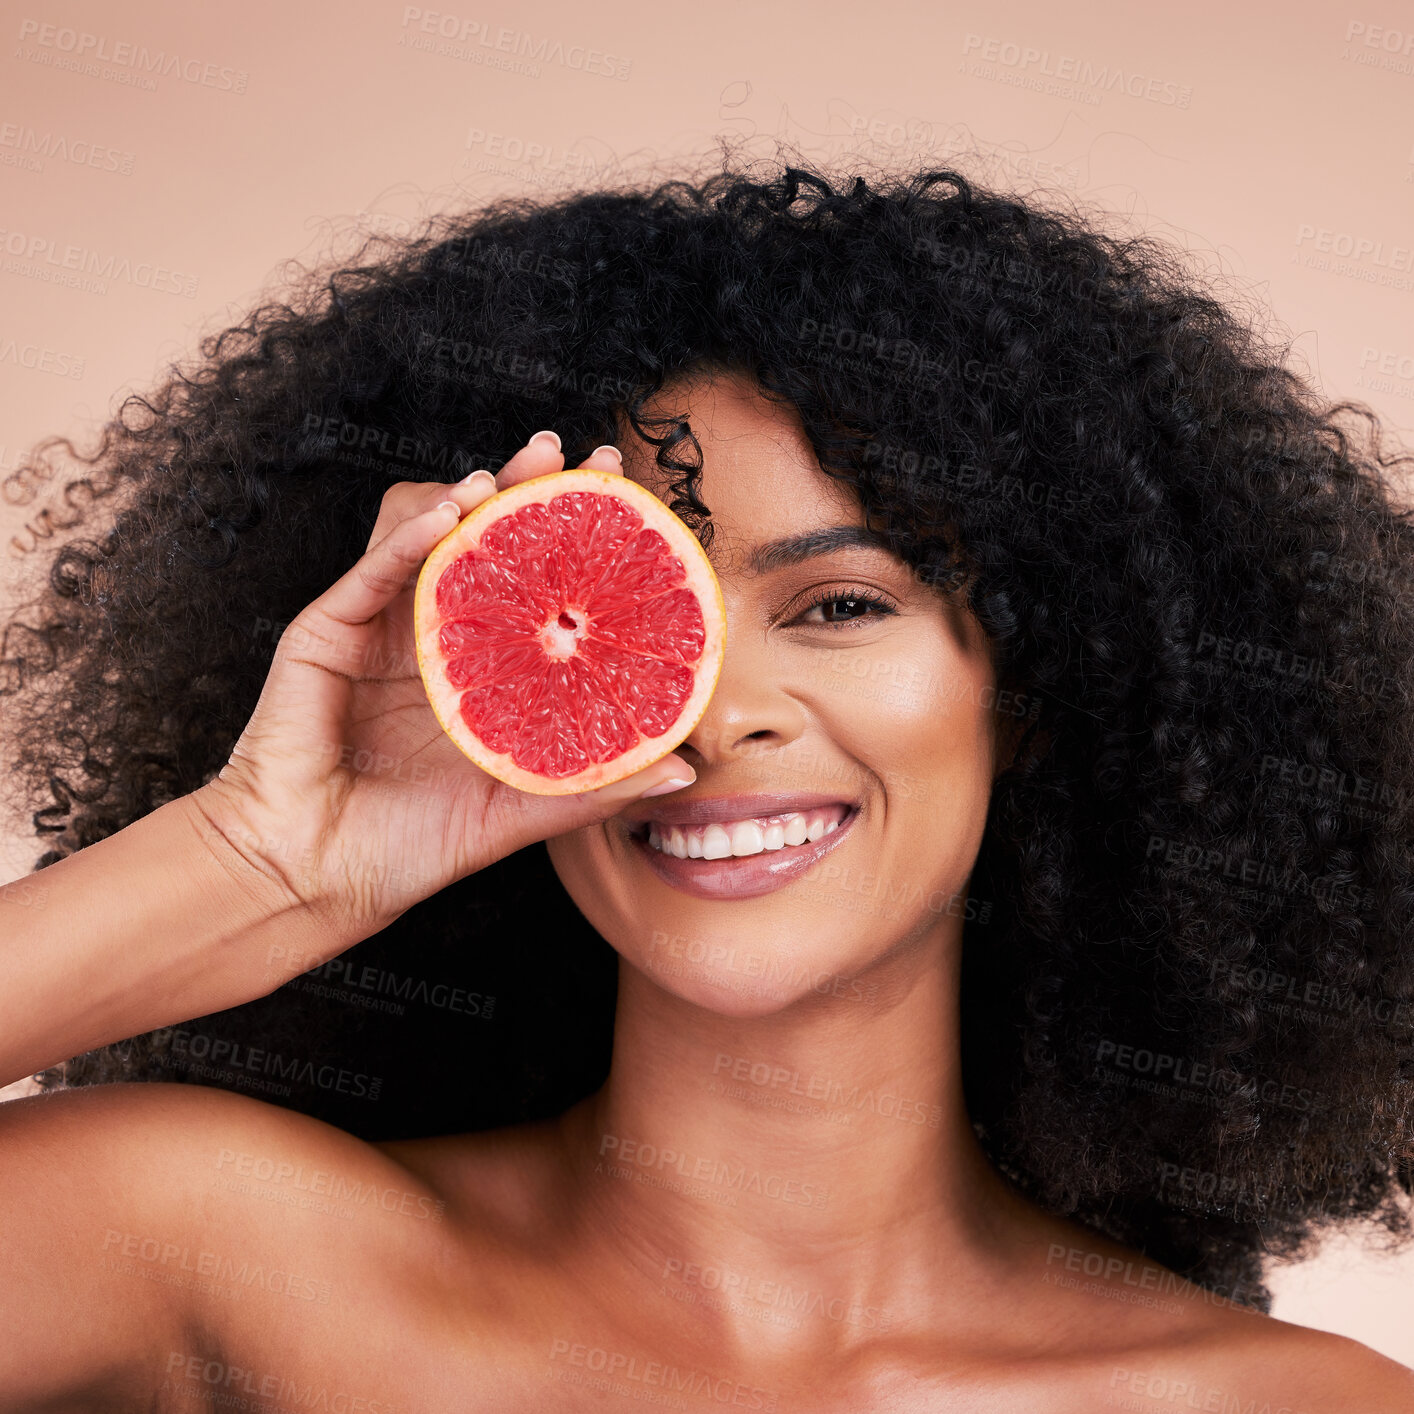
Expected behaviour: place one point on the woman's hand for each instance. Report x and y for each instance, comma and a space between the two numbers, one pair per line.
344, 787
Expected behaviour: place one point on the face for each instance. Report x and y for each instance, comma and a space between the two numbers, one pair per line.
844, 762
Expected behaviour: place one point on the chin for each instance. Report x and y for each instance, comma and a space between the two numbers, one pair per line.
727, 997
750, 975
810, 943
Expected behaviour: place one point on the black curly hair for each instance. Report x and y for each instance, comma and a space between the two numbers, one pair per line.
1189, 1012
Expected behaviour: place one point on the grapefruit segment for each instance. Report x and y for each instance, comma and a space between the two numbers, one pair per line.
672, 622
570, 631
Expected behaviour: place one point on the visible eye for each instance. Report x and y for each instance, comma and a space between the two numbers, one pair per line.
845, 606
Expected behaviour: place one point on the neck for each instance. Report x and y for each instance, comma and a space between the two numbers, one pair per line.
826, 1147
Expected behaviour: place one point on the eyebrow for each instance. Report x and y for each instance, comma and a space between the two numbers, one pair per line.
780, 554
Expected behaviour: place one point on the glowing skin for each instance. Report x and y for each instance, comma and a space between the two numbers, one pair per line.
882, 709
777, 1200
845, 973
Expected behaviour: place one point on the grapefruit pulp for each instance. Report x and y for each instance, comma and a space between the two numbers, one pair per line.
569, 631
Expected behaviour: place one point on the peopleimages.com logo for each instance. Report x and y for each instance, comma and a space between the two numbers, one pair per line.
216, 1054
95, 55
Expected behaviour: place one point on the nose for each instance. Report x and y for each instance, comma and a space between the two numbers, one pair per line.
750, 711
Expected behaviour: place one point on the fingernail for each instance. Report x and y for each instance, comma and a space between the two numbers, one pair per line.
548, 436
618, 455
450, 506
467, 480
663, 787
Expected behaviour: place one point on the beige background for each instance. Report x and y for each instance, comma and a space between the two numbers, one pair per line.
1273, 141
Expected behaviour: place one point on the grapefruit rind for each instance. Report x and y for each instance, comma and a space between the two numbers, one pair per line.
466, 534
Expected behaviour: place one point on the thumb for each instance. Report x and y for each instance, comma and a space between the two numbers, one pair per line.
539, 817
669, 774
547, 815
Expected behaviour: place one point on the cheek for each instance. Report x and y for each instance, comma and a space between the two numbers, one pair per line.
600, 885
709, 960
581, 861
918, 714
911, 724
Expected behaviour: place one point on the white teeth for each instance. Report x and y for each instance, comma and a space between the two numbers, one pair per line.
741, 838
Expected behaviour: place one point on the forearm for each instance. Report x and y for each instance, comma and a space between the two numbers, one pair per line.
161, 922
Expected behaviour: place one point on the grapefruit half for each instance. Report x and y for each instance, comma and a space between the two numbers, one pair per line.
569, 631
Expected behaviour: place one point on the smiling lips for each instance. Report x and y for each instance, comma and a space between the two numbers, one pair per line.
739, 846
749, 835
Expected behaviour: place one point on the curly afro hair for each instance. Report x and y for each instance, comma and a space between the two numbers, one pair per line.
1190, 1007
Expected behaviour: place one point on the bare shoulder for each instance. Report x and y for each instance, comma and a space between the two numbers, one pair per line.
1368, 1380
160, 1160
1134, 1334
183, 1135
199, 1224
1245, 1360
1318, 1372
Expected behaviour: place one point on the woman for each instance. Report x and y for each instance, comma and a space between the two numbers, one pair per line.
1069, 629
